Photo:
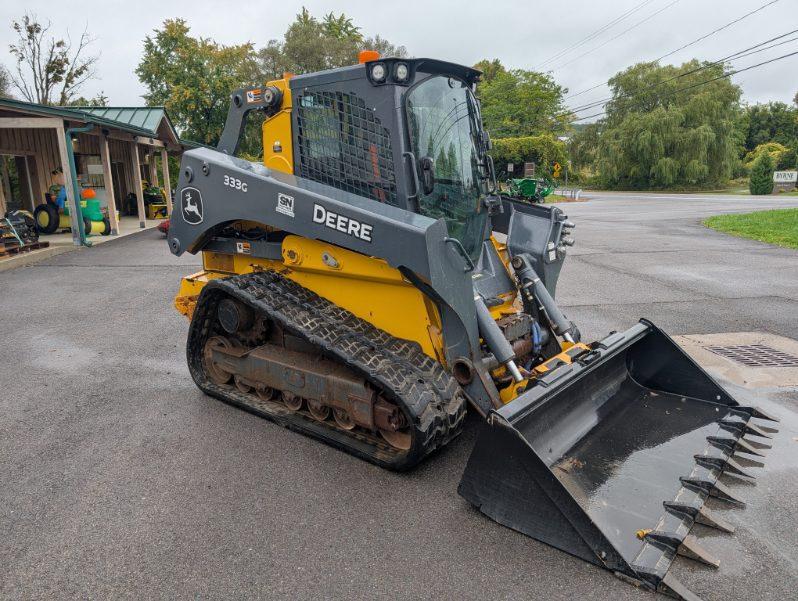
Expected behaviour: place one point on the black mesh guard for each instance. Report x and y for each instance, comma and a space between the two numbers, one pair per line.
342, 144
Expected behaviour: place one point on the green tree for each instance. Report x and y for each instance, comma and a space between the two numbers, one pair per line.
490, 69
99, 100
193, 78
517, 103
5, 83
788, 159
583, 149
761, 181
49, 69
659, 132
543, 150
771, 122
310, 45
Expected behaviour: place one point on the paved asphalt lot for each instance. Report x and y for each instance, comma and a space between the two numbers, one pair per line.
119, 479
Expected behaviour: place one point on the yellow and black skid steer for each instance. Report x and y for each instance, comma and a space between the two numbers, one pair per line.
367, 283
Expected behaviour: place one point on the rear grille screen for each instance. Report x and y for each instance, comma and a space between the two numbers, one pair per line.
342, 144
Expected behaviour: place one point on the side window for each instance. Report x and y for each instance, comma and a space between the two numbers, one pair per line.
342, 144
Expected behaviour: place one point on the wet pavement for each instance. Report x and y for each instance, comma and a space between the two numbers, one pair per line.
119, 479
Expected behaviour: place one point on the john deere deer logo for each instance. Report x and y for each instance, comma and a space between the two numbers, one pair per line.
191, 203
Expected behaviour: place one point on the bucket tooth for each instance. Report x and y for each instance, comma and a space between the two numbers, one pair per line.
758, 413
733, 467
769, 430
724, 465
758, 445
732, 445
713, 489
743, 428
743, 446
748, 461
706, 517
686, 547
756, 430
701, 515
692, 550
723, 443
671, 586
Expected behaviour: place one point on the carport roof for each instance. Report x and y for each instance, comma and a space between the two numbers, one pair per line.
141, 121
148, 118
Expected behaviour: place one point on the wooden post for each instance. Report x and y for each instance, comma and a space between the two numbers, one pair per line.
153, 167
108, 180
138, 187
2, 196
60, 135
8, 194
167, 185
29, 181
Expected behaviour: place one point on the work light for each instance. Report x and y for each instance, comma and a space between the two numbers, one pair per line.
401, 72
378, 73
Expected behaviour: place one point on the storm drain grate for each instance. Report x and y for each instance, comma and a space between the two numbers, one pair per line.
756, 355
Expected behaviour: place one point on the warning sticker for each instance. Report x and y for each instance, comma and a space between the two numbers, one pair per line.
254, 96
243, 248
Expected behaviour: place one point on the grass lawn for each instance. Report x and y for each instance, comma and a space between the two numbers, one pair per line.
778, 227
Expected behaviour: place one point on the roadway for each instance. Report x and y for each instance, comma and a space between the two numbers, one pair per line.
119, 479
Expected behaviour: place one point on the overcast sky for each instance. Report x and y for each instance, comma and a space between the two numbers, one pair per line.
521, 33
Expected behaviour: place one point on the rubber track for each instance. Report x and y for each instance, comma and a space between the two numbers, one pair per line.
433, 403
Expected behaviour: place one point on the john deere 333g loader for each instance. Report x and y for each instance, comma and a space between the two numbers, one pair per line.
367, 284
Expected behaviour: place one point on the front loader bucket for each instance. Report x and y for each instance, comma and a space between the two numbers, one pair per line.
612, 457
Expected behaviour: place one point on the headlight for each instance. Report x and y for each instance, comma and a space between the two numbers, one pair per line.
401, 72
378, 73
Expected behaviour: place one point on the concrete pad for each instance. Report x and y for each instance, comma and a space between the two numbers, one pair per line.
31, 257
699, 347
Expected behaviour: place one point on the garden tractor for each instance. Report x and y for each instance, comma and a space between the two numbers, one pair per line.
366, 285
529, 188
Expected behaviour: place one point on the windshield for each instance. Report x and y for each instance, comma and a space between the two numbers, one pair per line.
443, 124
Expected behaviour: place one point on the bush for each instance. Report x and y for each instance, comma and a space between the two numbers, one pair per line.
761, 181
543, 150
774, 149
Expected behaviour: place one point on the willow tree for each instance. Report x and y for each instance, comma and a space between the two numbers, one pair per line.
668, 126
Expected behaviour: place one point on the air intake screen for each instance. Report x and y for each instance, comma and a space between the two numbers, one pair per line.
342, 144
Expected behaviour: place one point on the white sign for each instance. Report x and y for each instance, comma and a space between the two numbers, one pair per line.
785, 177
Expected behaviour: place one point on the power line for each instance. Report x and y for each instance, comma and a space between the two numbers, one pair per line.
648, 18
711, 33
703, 83
703, 37
592, 35
755, 49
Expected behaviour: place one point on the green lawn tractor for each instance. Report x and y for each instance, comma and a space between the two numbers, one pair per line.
50, 218
529, 189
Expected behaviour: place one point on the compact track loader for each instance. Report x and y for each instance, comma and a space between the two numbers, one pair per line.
367, 284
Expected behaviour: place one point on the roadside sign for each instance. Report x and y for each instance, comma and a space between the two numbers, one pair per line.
557, 168
785, 177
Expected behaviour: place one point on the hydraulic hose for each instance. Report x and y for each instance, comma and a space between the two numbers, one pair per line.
534, 289
494, 337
